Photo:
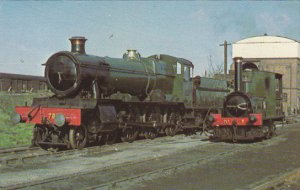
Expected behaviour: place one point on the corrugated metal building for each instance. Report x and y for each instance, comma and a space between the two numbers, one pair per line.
275, 54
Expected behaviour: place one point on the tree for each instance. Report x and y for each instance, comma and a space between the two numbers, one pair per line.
214, 68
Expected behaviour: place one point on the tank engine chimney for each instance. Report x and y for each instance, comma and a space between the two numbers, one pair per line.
78, 44
238, 73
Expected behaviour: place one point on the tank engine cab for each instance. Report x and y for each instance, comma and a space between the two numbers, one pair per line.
250, 111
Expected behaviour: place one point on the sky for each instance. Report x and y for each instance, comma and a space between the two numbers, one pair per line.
31, 31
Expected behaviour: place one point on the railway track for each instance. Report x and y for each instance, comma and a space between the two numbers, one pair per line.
18, 156
112, 180
16, 150
123, 171
113, 176
106, 151
24, 155
7, 154
150, 173
284, 181
28, 156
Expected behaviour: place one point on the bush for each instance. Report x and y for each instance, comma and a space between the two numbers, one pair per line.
14, 135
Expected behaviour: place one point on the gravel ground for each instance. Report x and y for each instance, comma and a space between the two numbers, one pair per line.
258, 164
168, 163
290, 180
123, 153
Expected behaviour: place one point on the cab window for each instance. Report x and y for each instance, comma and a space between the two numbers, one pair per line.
178, 68
187, 73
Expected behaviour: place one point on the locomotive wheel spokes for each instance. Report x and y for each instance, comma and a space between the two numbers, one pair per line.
173, 131
271, 130
167, 131
150, 134
110, 138
100, 139
129, 135
234, 133
39, 135
153, 134
170, 131
78, 137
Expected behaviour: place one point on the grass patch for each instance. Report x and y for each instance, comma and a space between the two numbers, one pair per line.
20, 134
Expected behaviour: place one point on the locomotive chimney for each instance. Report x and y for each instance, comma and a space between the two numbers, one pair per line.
238, 73
78, 44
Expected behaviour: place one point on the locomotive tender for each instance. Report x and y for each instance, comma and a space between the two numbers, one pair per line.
250, 111
98, 99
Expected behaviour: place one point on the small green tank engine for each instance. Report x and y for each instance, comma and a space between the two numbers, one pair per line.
250, 111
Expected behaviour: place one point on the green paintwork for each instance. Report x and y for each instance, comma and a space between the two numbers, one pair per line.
211, 93
160, 78
261, 86
139, 76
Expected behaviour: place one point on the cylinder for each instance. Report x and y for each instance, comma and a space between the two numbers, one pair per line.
238, 73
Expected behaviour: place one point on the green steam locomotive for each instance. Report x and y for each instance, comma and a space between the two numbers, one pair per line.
100, 99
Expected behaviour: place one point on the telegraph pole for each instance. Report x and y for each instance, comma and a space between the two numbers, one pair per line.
225, 56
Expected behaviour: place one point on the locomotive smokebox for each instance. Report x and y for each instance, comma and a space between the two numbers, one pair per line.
78, 44
238, 73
